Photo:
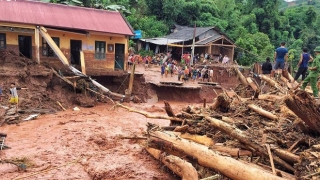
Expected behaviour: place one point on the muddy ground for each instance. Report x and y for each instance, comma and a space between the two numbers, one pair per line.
91, 136
84, 144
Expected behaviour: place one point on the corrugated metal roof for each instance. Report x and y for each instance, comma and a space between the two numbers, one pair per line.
208, 40
186, 33
161, 41
63, 16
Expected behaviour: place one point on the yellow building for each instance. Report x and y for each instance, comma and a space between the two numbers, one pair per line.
101, 35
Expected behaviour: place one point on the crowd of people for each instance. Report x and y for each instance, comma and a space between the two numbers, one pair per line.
185, 72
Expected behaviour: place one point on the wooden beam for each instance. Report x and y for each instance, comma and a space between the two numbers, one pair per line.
224, 45
83, 63
53, 45
131, 79
37, 43
175, 45
17, 25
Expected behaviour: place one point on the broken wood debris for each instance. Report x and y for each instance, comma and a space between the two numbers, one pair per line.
259, 135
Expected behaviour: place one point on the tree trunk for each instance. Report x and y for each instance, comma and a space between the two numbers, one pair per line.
286, 155
241, 77
222, 103
287, 75
240, 136
226, 165
301, 103
180, 167
168, 109
269, 97
204, 140
262, 112
271, 82
252, 84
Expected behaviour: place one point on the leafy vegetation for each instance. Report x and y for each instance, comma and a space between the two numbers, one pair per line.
256, 26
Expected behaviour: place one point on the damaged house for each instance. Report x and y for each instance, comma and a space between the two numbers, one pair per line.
93, 41
207, 40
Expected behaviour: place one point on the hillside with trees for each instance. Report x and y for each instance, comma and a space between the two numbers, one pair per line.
256, 26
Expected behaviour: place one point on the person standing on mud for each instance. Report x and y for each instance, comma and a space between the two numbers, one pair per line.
305, 58
162, 69
314, 71
14, 99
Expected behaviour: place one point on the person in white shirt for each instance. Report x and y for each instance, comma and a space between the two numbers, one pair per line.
225, 59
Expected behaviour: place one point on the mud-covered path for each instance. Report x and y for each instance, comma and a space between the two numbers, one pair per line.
90, 135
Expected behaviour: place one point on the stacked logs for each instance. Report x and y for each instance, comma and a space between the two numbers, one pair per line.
272, 136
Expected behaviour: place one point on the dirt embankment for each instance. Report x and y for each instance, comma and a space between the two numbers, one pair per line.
44, 88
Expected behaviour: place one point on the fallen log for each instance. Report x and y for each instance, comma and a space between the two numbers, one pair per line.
241, 77
240, 136
269, 97
233, 152
271, 159
168, 109
252, 84
170, 113
316, 147
301, 103
286, 155
271, 82
151, 116
286, 82
262, 112
222, 102
226, 165
183, 128
180, 167
288, 76
204, 140
226, 128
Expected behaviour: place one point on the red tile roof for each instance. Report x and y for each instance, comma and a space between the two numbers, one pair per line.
63, 16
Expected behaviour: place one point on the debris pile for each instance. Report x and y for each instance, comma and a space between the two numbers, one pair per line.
45, 93
265, 136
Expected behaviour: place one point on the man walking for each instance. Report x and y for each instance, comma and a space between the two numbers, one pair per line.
305, 58
314, 71
280, 58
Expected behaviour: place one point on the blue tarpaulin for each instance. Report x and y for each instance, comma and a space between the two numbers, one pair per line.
137, 34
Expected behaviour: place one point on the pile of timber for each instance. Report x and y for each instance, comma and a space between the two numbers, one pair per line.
270, 136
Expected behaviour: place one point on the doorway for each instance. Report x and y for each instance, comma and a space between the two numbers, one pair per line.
119, 56
25, 46
75, 48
